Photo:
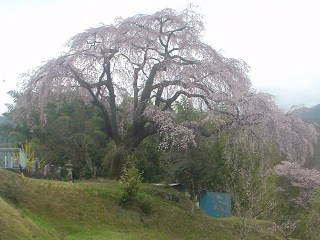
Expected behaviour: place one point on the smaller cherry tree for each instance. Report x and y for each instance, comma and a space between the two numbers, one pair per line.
131, 179
300, 195
305, 179
300, 177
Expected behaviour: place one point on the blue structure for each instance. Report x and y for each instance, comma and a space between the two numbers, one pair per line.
215, 204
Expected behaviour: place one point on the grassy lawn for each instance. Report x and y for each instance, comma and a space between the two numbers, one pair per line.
43, 209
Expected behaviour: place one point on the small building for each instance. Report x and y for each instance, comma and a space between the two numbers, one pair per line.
12, 158
215, 204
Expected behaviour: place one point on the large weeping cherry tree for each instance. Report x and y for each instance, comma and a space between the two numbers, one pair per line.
136, 69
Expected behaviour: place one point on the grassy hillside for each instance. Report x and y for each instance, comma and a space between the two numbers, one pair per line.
42, 209
13, 225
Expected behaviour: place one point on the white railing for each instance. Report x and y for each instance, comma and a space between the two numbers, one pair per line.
12, 158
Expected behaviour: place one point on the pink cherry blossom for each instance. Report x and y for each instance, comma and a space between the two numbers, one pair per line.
137, 68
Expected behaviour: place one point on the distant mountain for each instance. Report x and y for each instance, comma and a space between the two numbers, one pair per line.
5, 121
2, 119
312, 114
6, 139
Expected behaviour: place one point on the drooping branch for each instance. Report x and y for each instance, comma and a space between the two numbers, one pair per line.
300, 177
123, 67
233, 123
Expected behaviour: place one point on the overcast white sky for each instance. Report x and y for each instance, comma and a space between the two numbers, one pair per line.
279, 39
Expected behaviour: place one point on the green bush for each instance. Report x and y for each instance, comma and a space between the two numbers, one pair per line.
145, 205
131, 179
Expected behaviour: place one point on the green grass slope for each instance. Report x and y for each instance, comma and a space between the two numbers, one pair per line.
42, 209
13, 225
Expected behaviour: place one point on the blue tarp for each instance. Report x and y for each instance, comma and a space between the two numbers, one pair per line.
215, 204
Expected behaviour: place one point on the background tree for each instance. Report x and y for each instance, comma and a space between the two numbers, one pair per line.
148, 160
146, 63
299, 189
7, 138
312, 220
72, 131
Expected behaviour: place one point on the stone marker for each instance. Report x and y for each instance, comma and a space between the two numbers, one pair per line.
69, 171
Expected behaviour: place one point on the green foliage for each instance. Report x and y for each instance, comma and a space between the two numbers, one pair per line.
313, 217
88, 210
199, 167
7, 137
114, 160
253, 188
315, 201
71, 130
74, 131
307, 219
147, 160
144, 204
186, 112
77, 131
131, 179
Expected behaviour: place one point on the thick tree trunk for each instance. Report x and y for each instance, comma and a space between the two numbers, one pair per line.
115, 160
85, 157
88, 161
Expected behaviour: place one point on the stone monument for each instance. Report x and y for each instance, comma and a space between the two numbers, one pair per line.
69, 171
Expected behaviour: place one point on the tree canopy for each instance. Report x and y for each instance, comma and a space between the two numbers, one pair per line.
136, 69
